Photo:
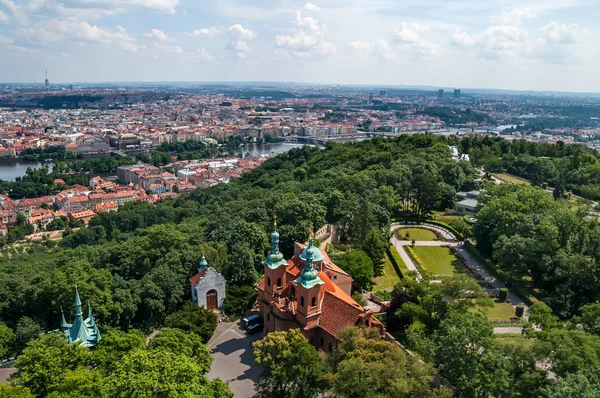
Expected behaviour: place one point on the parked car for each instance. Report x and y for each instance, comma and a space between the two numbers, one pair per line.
252, 323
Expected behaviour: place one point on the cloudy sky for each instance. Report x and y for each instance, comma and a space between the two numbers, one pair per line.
508, 44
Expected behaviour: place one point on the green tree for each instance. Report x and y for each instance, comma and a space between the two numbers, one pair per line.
27, 330
374, 246
239, 300
241, 269
160, 373
10, 391
465, 354
42, 365
7, 341
291, 367
540, 314
377, 368
114, 345
590, 318
193, 319
358, 265
189, 344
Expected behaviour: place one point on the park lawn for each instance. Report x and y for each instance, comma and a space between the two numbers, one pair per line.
417, 234
389, 278
402, 266
518, 341
510, 179
500, 312
438, 260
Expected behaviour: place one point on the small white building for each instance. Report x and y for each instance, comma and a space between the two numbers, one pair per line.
208, 287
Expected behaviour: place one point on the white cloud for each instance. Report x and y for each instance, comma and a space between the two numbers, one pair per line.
3, 16
65, 55
205, 54
209, 32
72, 29
311, 7
557, 43
380, 48
514, 16
5, 40
239, 32
308, 40
158, 35
462, 39
409, 38
562, 34
159, 5
236, 47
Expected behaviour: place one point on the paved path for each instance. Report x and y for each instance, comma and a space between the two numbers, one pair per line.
508, 329
405, 257
513, 298
233, 360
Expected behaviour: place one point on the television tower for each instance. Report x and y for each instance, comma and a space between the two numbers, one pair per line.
47, 83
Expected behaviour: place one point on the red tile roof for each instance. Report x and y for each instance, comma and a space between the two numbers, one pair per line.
196, 278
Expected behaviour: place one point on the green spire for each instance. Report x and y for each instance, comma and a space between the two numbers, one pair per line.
203, 263
63, 323
275, 258
309, 276
77, 303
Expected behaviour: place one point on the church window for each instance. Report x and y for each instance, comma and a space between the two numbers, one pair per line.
302, 301
314, 302
268, 317
269, 282
279, 282
330, 347
321, 341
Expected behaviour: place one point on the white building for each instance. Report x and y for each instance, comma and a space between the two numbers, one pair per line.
208, 287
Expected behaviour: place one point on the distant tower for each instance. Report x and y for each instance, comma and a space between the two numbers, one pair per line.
46, 82
370, 99
457, 93
440, 94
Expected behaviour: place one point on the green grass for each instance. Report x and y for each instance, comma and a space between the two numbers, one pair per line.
518, 341
510, 179
438, 260
389, 278
501, 312
522, 287
404, 271
417, 234
446, 219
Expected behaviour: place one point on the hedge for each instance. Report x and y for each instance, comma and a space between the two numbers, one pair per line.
458, 235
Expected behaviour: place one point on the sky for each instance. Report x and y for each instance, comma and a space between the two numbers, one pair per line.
546, 45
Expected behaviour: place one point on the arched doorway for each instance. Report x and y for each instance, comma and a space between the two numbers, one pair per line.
211, 300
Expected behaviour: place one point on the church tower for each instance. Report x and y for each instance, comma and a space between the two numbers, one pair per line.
308, 284
275, 265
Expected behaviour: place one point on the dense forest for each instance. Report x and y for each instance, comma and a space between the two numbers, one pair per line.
133, 265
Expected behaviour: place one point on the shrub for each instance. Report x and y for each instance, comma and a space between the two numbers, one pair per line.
519, 311
503, 295
384, 295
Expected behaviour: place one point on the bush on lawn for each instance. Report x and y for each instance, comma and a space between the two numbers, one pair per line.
384, 295
503, 295
519, 311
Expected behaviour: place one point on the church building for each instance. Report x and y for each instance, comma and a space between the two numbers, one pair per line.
309, 292
85, 331
208, 287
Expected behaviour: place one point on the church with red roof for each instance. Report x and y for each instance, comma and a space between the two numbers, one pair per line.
311, 293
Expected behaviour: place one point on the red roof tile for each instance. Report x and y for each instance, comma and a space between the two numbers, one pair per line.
194, 279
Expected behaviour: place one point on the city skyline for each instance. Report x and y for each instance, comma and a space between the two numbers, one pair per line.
507, 45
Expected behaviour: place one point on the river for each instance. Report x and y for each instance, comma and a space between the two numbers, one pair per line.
9, 170
271, 149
